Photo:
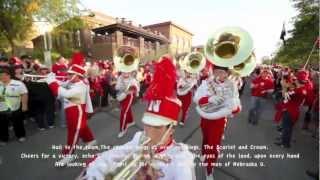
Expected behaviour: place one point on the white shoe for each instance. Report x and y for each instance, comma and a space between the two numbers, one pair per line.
91, 143
131, 124
51, 127
23, 139
122, 133
65, 161
181, 123
2, 143
209, 177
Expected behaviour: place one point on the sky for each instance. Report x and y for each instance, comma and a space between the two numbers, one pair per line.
263, 19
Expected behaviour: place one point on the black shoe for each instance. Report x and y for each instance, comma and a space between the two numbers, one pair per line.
285, 146
282, 145
278, 143
312, 174
278, 138
255, 123
279, 129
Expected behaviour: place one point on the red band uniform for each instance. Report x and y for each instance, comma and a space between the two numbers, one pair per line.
185, 87
77, 104
224, 98
128, 88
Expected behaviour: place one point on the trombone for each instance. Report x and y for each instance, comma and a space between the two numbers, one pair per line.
37, 78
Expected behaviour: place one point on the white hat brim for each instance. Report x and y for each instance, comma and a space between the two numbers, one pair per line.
155, 120
73, 72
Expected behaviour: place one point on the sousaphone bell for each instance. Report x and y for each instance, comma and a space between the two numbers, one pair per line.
126, 59
193, 62
231, 47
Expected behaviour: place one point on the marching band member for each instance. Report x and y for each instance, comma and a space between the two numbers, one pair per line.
147, 79
77, 104
190, 67
59, 66
27, 64
128, 88
60, 69
260, 87
18, 68
216, 99
161, 114
185, 87
305, 77
288, 111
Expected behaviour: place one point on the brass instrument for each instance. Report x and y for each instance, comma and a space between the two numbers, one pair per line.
37, 78
133, 163
126, 59
194, 62
209, 107
245, 68
231, 47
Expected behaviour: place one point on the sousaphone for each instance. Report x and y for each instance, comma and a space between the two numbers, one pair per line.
194, 62
126, 59
231, 47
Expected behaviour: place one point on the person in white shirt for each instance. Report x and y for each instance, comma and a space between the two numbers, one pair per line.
13, 103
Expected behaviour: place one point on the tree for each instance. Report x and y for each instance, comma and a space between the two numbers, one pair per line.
17, 17
15, 20
304, 34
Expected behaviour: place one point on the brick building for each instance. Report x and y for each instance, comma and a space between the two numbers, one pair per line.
180, 39
103, 34
107, 39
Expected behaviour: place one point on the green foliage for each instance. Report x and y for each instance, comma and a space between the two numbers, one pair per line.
66, 52
71, 25
15, 20
304, 34
17, 17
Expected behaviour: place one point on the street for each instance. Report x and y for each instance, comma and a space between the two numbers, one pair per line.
249, 149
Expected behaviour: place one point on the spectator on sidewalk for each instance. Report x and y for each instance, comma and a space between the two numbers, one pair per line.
13, 104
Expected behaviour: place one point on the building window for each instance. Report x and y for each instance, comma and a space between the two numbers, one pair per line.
174, 40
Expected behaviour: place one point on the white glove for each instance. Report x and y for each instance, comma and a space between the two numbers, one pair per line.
286, 97
51, 78
216, 100
94, 175
95, 171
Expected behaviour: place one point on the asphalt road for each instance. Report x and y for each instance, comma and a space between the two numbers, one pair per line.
26, 161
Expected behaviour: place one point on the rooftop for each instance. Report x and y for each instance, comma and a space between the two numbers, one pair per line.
166, 24
129, 29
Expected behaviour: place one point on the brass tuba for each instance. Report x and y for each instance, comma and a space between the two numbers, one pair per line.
194, 62
126, 59
231, 47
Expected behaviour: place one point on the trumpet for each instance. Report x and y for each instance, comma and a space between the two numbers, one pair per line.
37, 78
